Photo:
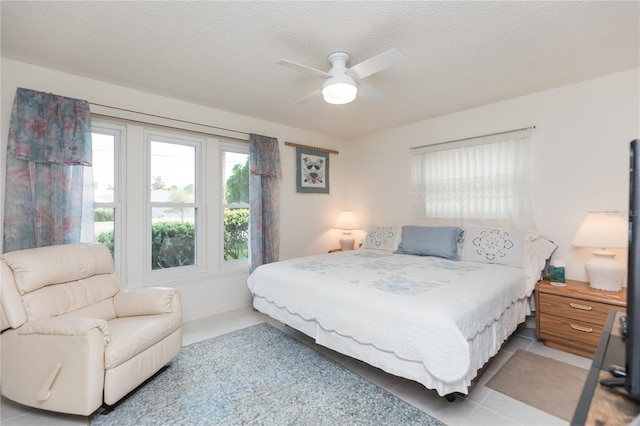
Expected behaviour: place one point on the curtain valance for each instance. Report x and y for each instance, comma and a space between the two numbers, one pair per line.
48, 128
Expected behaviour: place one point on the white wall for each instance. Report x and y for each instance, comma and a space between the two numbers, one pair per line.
581, 159
306, 218
581, 163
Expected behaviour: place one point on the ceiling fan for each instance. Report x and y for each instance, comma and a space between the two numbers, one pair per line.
341, 84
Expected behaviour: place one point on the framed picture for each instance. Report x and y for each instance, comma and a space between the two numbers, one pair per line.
312, 171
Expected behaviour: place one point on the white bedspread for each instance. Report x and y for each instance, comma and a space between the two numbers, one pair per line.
422, 309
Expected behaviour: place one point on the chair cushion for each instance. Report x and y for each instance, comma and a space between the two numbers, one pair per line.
143, 301
65, 326
133, 335
43, 266
90, 297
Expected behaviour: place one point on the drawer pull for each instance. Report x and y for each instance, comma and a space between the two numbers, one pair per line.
579, 306
579, 328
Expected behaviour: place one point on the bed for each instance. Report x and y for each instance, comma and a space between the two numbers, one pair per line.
430, 304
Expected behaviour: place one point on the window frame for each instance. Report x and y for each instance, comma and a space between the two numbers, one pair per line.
239, 148
199, 206
119, 133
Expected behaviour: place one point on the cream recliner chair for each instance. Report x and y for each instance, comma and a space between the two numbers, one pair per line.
73, 339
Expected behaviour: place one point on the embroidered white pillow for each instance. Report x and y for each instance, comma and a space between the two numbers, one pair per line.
382, 238
504, 246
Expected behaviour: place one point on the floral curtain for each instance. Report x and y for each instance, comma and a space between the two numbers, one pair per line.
49, 188
264, 196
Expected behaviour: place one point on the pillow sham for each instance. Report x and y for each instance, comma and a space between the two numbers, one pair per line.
440, 241
504, 246
382, 238
541, 251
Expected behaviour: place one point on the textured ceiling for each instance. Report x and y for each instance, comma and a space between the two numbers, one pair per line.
458, 55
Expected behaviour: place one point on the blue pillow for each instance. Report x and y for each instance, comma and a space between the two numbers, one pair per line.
441, 241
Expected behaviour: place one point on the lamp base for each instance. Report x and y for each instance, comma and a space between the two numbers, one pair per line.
347, 242
604, 272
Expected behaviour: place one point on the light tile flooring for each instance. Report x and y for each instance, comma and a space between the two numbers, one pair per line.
482, 406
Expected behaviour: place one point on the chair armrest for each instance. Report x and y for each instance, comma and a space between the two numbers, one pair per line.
66, 327
144, 301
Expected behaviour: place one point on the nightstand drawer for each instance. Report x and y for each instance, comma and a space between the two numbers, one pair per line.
570, 332
571, 317
575, 309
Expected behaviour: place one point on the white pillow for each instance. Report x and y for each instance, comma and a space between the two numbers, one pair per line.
541, 251
504, 246
383, 238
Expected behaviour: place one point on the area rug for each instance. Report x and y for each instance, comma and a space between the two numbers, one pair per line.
547, 384
260, 376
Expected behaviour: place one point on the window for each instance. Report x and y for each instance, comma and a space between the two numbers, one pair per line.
106, 140
235, 201
174, 208
167, 233
483, 180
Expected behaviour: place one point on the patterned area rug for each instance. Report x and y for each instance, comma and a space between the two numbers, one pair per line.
260, 376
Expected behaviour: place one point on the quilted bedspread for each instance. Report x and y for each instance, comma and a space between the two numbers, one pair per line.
422, 309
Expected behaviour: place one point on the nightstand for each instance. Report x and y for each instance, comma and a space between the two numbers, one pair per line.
571, 318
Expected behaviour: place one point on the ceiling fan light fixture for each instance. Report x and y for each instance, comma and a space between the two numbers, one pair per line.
342, 84
340, 89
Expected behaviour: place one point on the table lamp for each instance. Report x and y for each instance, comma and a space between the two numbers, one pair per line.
347, 222
604, 230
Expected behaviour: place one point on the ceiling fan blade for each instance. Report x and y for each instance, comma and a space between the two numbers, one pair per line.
370, 93
302, 68
308, 97
375, 64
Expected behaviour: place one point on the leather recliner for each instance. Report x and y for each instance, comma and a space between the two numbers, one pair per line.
73, 339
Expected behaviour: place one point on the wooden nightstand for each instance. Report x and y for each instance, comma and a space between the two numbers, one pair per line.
571, 318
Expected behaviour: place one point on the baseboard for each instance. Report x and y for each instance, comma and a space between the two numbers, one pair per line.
192, 316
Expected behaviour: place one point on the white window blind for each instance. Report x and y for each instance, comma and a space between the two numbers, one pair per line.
485, 180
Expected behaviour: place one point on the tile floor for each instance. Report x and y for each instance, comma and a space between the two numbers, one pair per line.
482, 406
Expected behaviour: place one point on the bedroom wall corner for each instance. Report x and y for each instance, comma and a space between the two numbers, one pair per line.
581, 148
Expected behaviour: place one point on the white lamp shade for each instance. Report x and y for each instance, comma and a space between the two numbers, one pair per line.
604, 230
339, 89
346, 220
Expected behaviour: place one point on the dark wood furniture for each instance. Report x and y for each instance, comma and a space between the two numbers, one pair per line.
599, 405
571, 318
